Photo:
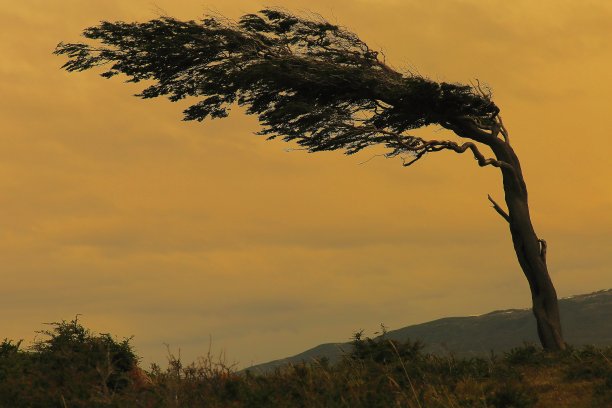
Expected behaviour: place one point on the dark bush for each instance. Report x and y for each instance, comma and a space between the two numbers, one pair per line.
512, 395
73, 367
528, 354
69, 365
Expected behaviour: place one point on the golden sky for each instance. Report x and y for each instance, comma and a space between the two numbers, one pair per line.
175, 232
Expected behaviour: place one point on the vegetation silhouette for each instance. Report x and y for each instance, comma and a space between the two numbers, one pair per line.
69, 363
70, 366
318, 85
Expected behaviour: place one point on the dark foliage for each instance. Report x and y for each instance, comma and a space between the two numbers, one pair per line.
382, 350
307, 80
528, 354
70, 365
512, 396
587, 363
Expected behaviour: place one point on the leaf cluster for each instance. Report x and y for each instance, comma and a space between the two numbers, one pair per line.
307, 80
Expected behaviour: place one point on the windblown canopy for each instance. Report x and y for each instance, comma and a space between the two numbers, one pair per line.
307, 80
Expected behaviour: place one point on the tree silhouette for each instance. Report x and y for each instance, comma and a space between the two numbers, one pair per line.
320, 86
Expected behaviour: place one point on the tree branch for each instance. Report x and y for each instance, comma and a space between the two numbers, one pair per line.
468, 128
416, 158
420, 147
482, 161
499, 210
503, 129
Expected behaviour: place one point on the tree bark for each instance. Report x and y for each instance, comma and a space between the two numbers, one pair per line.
530, 250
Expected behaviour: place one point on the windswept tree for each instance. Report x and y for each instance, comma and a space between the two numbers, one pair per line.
318, 85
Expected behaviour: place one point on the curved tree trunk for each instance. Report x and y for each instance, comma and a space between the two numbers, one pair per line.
530, 250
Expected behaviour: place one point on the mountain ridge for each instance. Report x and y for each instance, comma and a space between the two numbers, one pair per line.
586, 319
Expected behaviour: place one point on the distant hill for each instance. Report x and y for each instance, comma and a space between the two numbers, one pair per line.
586, 319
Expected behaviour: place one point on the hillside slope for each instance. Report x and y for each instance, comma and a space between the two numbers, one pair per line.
586, 319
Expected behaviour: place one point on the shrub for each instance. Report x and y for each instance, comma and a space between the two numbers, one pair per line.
512, 395
528, 354
72, 367
70, 364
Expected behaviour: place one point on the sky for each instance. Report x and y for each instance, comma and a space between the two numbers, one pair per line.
198, 235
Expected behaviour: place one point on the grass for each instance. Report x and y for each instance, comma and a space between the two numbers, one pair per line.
72, 367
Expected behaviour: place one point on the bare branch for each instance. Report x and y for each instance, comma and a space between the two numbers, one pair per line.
468, 128
499, 210
478, 88
482, 161
503, 129
420, 147
415, 159
371, 158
